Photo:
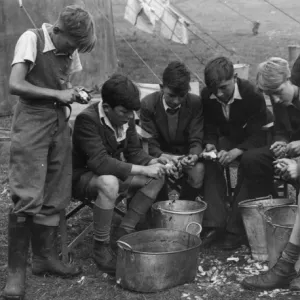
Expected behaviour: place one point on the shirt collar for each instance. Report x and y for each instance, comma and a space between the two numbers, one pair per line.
166, 106
49, 46
120, 133
236, 95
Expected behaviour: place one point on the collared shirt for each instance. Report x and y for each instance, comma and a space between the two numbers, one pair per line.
166, 106
120, 133
26, 49
226, 106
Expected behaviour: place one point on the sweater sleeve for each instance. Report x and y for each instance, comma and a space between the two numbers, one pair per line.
87, 137
257, 119
196, 130
148, 124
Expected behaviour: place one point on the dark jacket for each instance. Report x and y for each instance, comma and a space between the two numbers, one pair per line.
287, 122
246, 118
95, 147
189, 133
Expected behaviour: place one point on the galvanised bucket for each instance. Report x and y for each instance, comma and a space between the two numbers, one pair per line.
279, 225
252, 211
182, 215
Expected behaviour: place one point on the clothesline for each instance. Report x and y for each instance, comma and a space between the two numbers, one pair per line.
282, 11
129, 44
206, 33
179, 38
236, 11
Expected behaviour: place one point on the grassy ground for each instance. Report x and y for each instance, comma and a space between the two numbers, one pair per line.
220, 279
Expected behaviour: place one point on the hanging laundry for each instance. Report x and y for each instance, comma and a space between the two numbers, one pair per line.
174, 27
147, 14
135, 14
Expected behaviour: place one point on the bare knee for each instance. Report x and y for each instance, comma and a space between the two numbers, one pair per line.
108, 185
196, 175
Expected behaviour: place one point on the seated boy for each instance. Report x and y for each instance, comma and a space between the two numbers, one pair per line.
273, 78
283, 274
108, 160
234, 113
173, 117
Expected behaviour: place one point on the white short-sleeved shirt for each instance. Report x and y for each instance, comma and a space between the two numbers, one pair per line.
26, 49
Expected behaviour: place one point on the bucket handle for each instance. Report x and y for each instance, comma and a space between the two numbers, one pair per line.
194, 223
124, 245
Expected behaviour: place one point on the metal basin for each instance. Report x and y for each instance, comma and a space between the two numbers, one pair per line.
179, 215
252, 211
156, 259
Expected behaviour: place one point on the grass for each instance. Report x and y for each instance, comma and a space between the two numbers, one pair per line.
275, 33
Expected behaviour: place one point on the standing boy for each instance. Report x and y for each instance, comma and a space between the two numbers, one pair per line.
40, 158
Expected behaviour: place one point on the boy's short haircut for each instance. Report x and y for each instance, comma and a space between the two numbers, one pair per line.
218, 70
79, 24
119, 90
272, 73
177, 77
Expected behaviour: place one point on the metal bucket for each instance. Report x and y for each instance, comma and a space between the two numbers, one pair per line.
156, 259
181, 215
252, 212
279, 226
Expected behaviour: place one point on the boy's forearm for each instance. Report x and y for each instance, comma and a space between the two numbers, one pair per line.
28, 90
138, 170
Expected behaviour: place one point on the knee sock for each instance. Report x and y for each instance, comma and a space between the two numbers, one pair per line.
138, 207
291, 253
188, 192
102, 223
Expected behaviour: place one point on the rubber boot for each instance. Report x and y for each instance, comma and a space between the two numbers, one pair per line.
45, 260
278, 277
18, 245
105, 257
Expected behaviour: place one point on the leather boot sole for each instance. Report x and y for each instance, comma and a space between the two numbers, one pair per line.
105, 269
255, 288
44, 269
251, 287
294, 287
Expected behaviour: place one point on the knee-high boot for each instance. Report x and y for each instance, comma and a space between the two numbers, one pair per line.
18, 244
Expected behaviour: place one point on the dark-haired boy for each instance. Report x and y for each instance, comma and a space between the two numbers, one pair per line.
40, 155
234, 113
173, 117
104, 133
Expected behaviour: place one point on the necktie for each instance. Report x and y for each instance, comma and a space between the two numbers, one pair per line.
172, 111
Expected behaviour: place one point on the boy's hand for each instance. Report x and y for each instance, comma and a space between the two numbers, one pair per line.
210, 147
286, 168
293, 149
172, 158
279, 149
189, 160
67, 96
155, 171
227, 157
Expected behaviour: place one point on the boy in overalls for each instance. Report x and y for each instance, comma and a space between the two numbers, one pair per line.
40, 167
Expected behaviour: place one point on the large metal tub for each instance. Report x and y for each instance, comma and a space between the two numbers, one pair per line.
156, 259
